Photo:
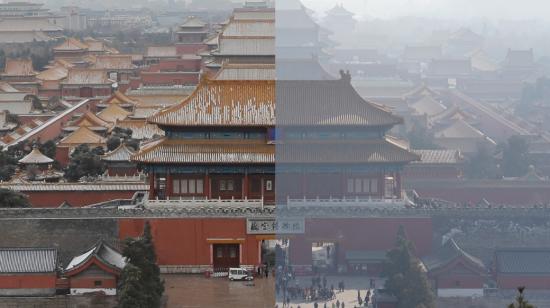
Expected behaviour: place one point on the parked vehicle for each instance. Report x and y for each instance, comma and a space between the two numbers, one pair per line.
236, 273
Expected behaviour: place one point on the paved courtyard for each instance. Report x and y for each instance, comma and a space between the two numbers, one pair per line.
186, 291
198, 291
348, 296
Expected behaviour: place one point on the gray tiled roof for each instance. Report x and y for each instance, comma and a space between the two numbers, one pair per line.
438, 156
121, 153
523, 261
328, 102
28, 260
106, 254
448, 253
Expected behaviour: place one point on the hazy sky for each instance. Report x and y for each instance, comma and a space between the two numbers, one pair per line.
492, 9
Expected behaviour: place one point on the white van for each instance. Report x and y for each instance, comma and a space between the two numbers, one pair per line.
236, 273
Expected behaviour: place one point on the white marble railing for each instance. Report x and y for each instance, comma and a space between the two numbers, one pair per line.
204, 202
304, 202
363, 202
140, 177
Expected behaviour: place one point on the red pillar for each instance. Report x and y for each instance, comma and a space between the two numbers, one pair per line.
207, 186
304, 185
169, 184
398, 184
343, 184
382, 184
152, 193
245, 185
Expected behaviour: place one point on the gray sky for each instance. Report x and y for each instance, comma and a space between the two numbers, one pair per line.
492, 9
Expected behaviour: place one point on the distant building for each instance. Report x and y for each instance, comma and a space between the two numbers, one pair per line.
192, 31
455, 273
249, 37
460, 135
38, 167
21, 8
71, 49
519, 65
17, 103
527, 267
28, 271
339, 20
22, 29
96, 270
463, 42
435, 164
73, 19
119, 161
86, 83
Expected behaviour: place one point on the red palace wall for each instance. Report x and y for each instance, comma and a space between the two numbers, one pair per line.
28, 118
176, 65
530, 282
458, 281
183, 241
169, 78
62, 156
96, 91
419, 171
52, 199
53, 130
190, 49
89, 283
496, 192
361, 234
28, 281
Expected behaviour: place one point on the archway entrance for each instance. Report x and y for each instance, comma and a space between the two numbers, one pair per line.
323, 256
225, 256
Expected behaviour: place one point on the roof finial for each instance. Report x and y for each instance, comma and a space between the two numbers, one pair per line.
345, 76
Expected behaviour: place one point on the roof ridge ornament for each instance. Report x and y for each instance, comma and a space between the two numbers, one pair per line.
345, 76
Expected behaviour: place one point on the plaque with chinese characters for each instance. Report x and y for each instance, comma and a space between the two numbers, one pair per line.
275, 226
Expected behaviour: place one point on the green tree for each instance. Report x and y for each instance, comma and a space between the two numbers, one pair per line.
482, 164
12, 199
113, 143
420, 138
48, 148
84, 162
515, 160
8, 164
131, 292
140, 252
405, 277
521, 302
37, 104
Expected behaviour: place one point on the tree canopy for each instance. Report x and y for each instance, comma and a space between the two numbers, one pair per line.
521, 302
482, 164
405, 277
12, 199
85, 162
132, 291
8, 164
142, 259
515, 160
420, 138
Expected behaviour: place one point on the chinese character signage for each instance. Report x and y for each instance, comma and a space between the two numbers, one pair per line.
275, 226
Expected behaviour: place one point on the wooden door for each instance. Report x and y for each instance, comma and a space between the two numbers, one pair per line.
261, 186
226, 256
86, 92
227, 187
